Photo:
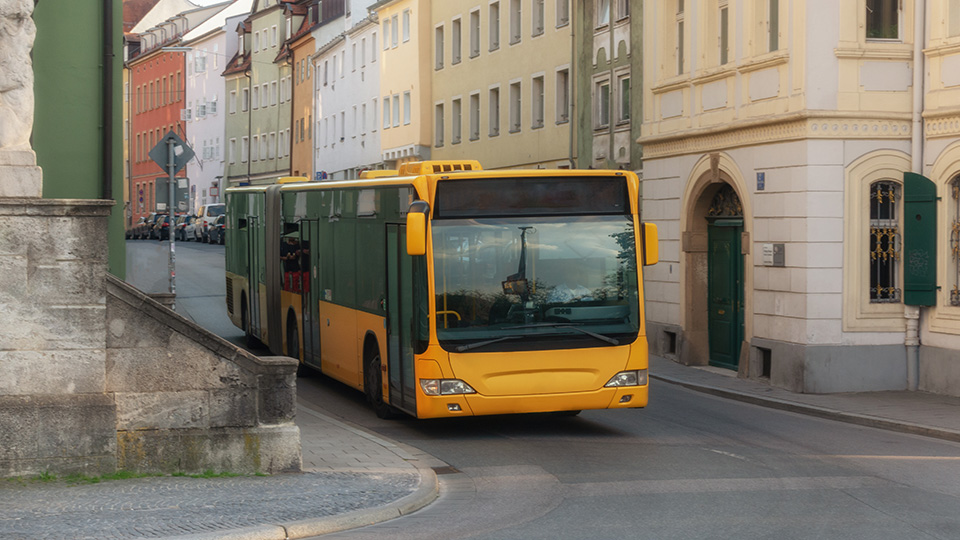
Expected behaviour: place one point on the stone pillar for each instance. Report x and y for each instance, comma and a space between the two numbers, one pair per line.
55, 415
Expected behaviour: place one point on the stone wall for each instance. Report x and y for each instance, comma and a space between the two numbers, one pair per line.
187, 400
54, 413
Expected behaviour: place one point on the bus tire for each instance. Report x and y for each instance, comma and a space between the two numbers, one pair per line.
373, 384
293, 342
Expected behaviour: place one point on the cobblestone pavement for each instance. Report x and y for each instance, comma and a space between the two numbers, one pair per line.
347, 471
170, 506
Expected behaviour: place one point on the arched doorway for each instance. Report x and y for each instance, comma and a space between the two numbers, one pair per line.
725, 278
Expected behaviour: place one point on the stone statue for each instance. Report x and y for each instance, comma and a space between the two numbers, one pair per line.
19, 175
16, 73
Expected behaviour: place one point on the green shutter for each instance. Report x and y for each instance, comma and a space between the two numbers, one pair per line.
919, 241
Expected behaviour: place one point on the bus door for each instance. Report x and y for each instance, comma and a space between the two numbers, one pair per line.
400, 320
255, 258
309, 241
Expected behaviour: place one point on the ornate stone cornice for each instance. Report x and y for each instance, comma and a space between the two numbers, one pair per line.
941, 123
781, 128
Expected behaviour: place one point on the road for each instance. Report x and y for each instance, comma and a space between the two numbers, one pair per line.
688, 466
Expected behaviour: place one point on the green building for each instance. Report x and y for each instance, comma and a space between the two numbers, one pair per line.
77, 130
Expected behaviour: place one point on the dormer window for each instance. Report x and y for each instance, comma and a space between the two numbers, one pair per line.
289, 27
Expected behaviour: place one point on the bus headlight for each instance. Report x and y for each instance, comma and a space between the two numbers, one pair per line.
445, 387
628, 378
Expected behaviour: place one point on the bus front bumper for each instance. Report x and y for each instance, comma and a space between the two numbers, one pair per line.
631, 397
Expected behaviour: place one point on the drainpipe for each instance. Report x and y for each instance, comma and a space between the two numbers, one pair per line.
571, 101
912, 313
106, 191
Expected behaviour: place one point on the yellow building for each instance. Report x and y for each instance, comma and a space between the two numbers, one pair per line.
777, 139
405, 86
501, 77
302, 46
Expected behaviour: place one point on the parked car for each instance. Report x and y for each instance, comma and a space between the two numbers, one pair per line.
218, 231
207, 214
185, 228
134, 230
145, 227
161, 229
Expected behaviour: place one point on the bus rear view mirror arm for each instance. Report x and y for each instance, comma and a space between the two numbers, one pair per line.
651, 246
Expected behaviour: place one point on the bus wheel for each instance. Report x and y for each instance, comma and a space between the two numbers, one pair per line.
293, 342
373, 387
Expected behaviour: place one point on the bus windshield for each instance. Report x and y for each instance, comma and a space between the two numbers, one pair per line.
523, 283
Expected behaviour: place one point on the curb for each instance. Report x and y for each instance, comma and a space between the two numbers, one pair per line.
820, 412
425, 493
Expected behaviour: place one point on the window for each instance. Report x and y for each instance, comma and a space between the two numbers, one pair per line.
494, 106
602, 104
438, 48
273, 93
386, 112
955, 240
233, 151
396, 110
679, 45
455, 42
563, 13
232, 102
244, 99
406, 108
494, 26
884, 242
255, 149
256, 41
455, 121
256, 97
623, 104
354, 57
623, 9
363, 53
373, 110
883, 19
515, 100
603, 12
264, 95
953, 22
773, 25
272, 146
386, 32
406, 25
536, 119
363, 119
563, 96
394, 31
474, 33
474, 117
289, 27
724, 33
438, 126
537, 17
373, 47
263, 146
515, 20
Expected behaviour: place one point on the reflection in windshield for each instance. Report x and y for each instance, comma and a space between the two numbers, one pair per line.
506, 277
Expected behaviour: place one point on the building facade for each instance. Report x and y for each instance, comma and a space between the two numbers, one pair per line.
502, 90
778, 139
608, 75
302, 46
406, 94
204, 114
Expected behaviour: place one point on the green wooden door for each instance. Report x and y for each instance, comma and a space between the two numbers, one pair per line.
725, 292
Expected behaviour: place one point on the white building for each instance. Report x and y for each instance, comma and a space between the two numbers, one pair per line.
204, 113
347, 85
782, 144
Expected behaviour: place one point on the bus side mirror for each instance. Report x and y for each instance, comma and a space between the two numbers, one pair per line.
651, 246
417, 228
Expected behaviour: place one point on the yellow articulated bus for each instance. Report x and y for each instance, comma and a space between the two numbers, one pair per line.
448, 290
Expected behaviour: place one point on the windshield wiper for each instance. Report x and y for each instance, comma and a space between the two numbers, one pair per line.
565, 326
469, 346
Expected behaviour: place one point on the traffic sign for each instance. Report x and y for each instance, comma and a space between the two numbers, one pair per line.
182, 153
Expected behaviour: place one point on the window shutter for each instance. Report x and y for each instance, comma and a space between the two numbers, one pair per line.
919, 240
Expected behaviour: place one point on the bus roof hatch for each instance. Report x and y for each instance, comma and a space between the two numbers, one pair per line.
416, 168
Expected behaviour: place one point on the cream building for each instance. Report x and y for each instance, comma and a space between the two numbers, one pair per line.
776, 139
501, 73
405, 90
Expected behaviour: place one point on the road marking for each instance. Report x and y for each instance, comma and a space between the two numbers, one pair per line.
728, 454
892, 458
719, 485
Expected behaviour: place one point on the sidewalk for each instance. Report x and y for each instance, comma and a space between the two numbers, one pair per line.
918, 413
353, 478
